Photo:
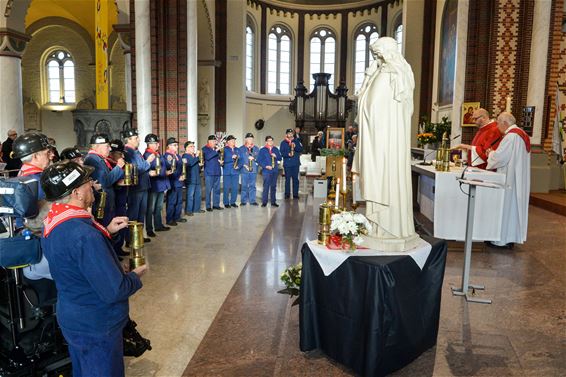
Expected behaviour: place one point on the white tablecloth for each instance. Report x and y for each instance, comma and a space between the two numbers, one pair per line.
329, 260
442, 201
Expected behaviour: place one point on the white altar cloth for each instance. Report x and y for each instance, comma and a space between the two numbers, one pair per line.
329, 260
442, 202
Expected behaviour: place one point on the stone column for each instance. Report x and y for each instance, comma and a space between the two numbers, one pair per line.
123, 31
192, 71
143, 69
538, 63
12, 45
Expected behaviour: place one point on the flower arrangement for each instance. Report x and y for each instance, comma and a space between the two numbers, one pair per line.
346, 229
291, 277
426, 138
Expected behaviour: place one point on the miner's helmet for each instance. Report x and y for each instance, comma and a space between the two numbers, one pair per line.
151, 138
116, 146
60, 179
29, 143
99, 138
70, 153
129, 132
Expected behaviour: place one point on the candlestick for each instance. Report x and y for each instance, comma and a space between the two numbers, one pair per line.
353, 190
337, 193
344, 160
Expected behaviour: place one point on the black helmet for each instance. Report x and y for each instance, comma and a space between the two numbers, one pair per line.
172, 140
129, 133
70, 153
29, 143
99, 139
230, 137
60, 179
151, 138
116, 146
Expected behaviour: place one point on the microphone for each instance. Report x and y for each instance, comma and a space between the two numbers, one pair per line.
475, 159
429, 153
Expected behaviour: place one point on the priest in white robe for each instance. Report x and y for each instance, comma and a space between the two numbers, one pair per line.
513, 158
383, 156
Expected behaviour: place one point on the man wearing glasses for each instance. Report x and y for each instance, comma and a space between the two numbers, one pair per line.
13, 164
487, 137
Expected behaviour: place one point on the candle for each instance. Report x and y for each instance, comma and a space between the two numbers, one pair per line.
353, 189
337, 193
344, 189
508, 104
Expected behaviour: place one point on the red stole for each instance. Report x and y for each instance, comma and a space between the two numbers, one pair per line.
156, 153
29, 169
59, 213
523, 136
105, 159
483, 139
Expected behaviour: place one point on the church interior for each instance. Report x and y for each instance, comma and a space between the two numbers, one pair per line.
192, 69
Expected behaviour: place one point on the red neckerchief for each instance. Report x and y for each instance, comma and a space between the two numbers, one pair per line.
268, 148
105, 159
288, 141
29, 169
59, 213
523, 136
152, 151
250, 149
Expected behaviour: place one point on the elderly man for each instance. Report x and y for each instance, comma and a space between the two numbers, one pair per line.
192, 179
138, 194
231, 172
212, 172
174, 205
291, 149
248, 155
11, 163
513, 158
104, 173
268, 158
159, 184
488, 136
92, 287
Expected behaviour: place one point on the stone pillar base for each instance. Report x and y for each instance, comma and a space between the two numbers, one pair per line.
391, 244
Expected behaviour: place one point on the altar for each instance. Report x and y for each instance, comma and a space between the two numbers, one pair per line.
442, 201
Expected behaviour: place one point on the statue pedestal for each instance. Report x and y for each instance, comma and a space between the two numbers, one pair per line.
391, 244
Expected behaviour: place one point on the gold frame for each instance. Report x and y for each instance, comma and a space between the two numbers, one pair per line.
335, 129
465, 107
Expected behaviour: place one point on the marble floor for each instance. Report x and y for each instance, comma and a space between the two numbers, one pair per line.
210, 307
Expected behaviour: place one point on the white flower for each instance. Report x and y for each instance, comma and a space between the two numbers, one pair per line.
358, 240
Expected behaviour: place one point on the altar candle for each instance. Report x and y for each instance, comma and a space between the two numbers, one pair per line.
353, 189
508, 104
344, 188
337, 193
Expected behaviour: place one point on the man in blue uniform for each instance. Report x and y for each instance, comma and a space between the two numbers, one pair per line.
174, 207
248, 156
104, 173
137, 194
268, 158
92, 287
291, 149
120, 195
192, 180
159, 183
231, 172
212, 172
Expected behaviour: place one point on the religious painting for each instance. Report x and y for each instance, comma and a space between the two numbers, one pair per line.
468, 109
335, 138
447, 64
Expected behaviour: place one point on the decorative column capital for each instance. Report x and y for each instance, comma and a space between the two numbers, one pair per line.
12, 43
123, 31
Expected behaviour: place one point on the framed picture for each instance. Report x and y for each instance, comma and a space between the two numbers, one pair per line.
335, 138
468, 109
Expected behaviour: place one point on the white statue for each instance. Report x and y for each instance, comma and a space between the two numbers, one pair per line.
203, 92
383, 155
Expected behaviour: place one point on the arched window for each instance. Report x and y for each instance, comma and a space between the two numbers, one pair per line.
250, 56
323, 54
364, 37
60, 77
399, 37
279, 61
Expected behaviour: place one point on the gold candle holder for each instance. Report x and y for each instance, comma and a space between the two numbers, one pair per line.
128, 174
201, 159
343, 195
101, 205
174, 164
184, 173
324, 219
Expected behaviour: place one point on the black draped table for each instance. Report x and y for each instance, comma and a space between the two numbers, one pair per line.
373, 314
